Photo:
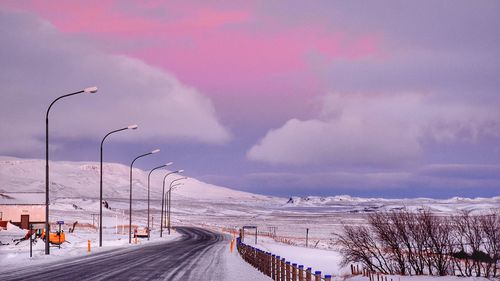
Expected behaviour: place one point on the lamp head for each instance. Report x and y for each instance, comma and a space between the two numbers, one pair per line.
90, 90
133, 127
155, 151
169, 163
180, 171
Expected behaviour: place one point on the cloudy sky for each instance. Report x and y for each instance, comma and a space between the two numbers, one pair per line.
277, 97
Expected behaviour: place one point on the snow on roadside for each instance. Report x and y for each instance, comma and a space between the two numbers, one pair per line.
15, 256
239, 269
325, 261
421, 278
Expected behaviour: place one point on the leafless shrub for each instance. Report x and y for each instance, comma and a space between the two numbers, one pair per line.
490, 227
404, 242
357, 244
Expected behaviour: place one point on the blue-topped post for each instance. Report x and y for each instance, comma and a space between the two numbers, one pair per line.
308, 274
294, 271
317, 276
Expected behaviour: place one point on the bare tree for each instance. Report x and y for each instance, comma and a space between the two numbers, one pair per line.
403, 242
469, 229
418, 233
358, 244
490, 228
438, 231
388, 235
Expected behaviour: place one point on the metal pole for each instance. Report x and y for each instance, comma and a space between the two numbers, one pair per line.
166, 211
31, 240
169, 206
149, 183
169, 200
307, 237
163, 199
47, 246
130, 208
59, 236
100, 200
130, 201
162, 204
100, 184
255, 235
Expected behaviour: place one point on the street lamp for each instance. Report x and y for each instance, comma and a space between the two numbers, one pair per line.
130, 127
89, 90
130, 203
170, 200
149, 181
163, 198
167, 195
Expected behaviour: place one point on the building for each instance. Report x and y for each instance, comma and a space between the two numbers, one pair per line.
22, 208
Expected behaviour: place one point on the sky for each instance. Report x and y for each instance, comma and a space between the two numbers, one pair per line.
287, 98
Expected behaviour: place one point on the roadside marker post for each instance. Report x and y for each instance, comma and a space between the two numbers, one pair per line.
31, 240
232, 246
88, 246
60, 232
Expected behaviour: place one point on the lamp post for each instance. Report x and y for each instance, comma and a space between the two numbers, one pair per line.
149, 181
170, 200
166, 195
163, 198
130, 203
89, 90
130, 127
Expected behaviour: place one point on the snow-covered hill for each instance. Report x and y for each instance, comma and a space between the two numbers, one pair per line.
81, 179
346, 203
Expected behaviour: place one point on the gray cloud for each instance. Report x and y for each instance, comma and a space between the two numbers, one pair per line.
375, 130
441, 180
39, 63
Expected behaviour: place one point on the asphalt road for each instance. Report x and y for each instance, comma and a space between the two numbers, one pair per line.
195, 256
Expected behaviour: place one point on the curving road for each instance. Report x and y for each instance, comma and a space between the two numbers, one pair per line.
197, 255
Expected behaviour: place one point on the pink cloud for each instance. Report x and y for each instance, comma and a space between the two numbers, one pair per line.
222, 51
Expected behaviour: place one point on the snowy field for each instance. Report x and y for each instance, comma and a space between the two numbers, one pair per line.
74, 197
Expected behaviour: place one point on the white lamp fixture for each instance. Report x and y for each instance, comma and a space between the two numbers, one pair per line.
169, 163
133, 127
90, 90
155, 151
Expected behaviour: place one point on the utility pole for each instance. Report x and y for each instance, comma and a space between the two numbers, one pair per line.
307, 237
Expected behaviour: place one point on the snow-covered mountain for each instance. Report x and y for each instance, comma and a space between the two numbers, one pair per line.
346, 203
81, 179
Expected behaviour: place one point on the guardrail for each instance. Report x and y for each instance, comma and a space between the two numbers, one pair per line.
276, 267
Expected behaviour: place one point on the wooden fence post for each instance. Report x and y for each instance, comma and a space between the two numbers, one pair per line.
260, 261
288, 271
268, 264
283, 272
317, 276
278, 269
301, 273
308, 274
273, 267
294, 272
